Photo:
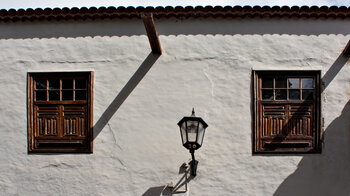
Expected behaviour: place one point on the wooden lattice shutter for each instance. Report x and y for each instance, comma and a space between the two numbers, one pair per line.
286, 125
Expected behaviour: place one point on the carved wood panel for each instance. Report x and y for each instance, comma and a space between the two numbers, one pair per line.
74, 121
47, 120
274, 120
286, 126
300, 122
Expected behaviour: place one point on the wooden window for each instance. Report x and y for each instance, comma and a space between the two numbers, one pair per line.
286, 111
60, 112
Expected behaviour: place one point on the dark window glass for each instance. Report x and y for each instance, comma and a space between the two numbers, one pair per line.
80, 84
54, 95
267, 94
67, 95
294, 94
67, 84
281, 94
308, 94
40, 95
281, 83
40, 84
80, 95
293, 82
267, 83
307, 82
54, 84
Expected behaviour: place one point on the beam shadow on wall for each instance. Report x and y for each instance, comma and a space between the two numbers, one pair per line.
327, 173
326, 80
125, 92
333, 71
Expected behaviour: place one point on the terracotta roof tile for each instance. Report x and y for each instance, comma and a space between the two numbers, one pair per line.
168, 11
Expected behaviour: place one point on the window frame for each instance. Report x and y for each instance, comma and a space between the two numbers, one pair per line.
64, 144
291, 146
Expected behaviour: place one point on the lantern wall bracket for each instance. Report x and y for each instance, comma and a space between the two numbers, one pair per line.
193, 164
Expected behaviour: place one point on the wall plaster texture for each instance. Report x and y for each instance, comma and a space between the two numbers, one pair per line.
206, 64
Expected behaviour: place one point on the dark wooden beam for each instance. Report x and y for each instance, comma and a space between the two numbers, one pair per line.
151, 32
346, 51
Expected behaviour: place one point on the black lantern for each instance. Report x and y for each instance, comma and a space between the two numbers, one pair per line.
192, 131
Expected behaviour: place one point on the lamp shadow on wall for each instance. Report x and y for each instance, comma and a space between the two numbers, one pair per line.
169, 190
125, 92
327, 173
158, 191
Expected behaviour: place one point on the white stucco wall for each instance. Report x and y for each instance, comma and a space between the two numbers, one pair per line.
206, 64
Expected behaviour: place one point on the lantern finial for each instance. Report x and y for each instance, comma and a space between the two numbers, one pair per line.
193, 113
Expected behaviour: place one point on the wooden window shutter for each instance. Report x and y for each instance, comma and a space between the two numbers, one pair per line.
60, 112
287, 117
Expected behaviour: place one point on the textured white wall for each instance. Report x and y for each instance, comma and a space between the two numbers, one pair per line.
138, 151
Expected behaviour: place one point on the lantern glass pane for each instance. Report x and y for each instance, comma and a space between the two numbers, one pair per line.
192, 127
200, 133
183, 132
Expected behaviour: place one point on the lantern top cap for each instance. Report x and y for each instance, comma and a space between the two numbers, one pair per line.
192, 118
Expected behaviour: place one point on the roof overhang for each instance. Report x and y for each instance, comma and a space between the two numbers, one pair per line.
168, 12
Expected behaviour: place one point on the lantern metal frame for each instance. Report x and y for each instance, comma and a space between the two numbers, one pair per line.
192, 145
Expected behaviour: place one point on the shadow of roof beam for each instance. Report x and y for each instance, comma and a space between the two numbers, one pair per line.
125, 92
336, 67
